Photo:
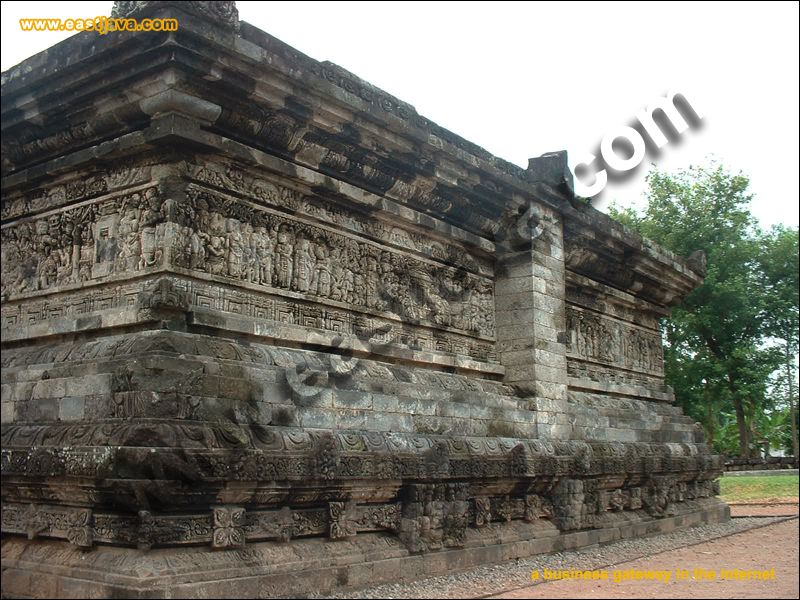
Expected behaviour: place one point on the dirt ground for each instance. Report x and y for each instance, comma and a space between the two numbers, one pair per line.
770, 551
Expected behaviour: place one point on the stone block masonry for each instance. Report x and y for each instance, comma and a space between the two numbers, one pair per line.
266, 330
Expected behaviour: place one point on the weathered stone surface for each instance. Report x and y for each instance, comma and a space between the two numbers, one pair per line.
260, 317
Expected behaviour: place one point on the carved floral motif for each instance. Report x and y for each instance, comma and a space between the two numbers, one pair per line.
228, 527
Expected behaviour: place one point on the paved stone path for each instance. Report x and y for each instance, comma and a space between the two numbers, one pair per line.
772, 550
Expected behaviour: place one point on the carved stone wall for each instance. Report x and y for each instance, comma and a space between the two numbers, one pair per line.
257, 312
322, 265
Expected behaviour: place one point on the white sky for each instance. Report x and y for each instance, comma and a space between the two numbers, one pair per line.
521, 79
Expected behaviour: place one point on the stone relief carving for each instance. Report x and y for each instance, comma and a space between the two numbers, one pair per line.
86, 186
77, 245
73, 524
536, 507
595, 338
434, 515
230, 178
225, 238
431, 516
611, 375
593, 295
483, 512
286, 455
343, 522
269, 250
228, 527
29, 148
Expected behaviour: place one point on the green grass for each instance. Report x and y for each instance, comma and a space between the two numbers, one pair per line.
747, 489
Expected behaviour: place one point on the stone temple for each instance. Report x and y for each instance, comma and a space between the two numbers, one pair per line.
266, 330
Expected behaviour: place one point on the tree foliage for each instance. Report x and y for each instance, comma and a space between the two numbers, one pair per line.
720, 344
780, 271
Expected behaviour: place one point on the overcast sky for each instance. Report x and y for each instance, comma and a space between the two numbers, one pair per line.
521, 79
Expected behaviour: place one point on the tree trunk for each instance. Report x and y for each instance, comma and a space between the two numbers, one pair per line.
710, 429
741, 421
793, 417
744, 436
711, 425
792, 405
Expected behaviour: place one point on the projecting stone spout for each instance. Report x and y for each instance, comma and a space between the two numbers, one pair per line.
223, 14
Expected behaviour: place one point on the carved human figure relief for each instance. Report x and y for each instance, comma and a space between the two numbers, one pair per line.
303, 264
197, 249
64, 267
235, 249
284, 250
86, 254
348, 286
150, 218
48, 268
251, 254
216, 255
128, 232
321, 281
263, 249
337, 271
389, 283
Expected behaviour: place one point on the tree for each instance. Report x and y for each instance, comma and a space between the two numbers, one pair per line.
715, 352
779, 267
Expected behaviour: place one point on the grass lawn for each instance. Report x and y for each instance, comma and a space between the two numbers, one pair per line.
748, 489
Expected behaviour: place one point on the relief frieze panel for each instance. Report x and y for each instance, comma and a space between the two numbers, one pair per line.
76, 189
68, 248
604, 374
234, 241
230, 178
593, 295
598, 339
427, 522
238, 241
